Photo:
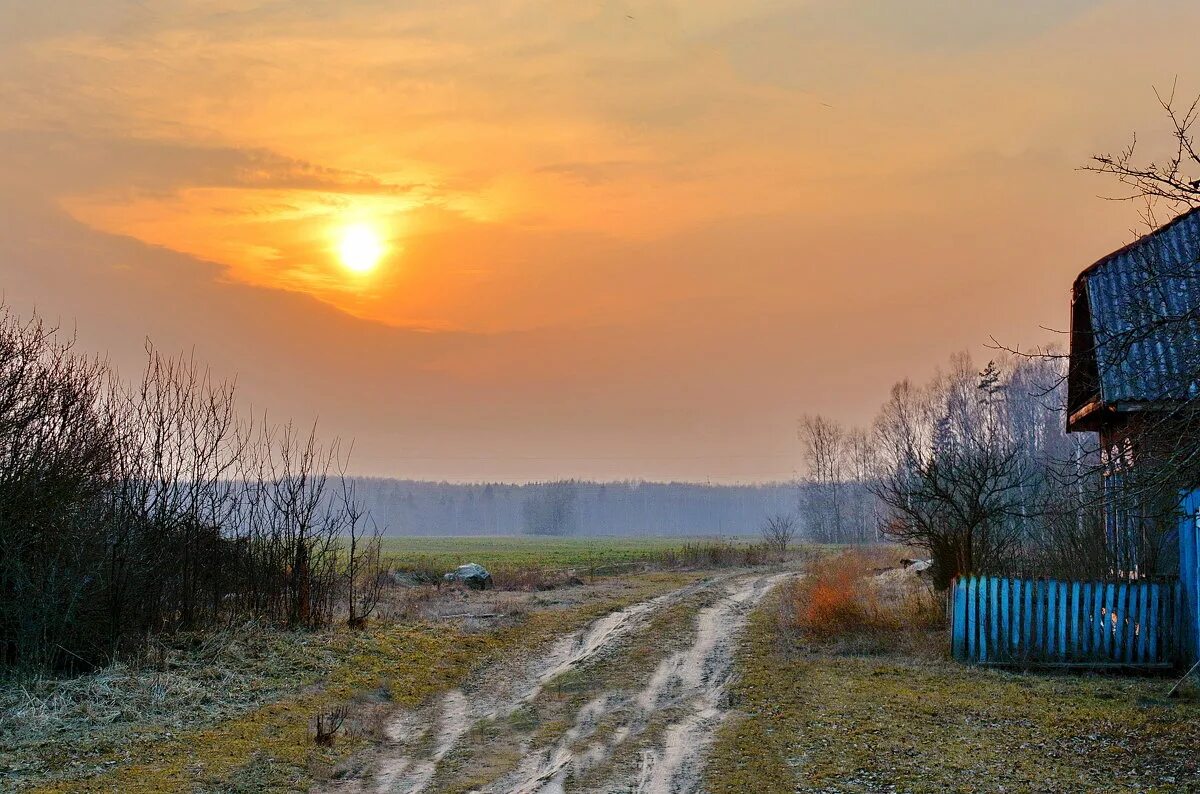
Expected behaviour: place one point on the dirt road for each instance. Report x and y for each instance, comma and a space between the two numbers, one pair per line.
628, 703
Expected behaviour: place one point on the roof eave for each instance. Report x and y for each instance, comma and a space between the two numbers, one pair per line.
1090, 417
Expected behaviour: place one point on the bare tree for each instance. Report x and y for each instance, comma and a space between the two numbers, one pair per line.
1173, 181
862, 510
551, 509
824, 450
779, 530
951, 476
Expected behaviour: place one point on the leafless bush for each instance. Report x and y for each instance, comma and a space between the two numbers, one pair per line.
327, 725
714, 554
364, 567
779, 531
128, 510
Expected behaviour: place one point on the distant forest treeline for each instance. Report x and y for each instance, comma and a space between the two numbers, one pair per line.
571, 507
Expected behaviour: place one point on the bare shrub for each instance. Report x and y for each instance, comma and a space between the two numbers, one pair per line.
327, 724
364, 566
779, 531
130, 510
714, 554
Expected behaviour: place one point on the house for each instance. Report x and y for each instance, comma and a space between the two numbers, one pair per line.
1134, 378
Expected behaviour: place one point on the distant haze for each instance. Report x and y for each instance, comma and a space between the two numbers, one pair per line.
406, 507
619, 239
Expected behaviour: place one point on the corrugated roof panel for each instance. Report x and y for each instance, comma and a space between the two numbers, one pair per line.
1144, 302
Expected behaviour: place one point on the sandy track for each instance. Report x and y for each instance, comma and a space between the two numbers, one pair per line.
690, 681
688, 684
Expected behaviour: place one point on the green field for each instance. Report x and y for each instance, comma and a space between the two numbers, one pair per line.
543, 552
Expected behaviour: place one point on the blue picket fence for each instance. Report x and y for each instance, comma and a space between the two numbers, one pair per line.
1007, 621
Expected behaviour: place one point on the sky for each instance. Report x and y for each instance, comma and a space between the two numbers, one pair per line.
619, 239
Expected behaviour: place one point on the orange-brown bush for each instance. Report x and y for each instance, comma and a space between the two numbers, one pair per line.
861, 601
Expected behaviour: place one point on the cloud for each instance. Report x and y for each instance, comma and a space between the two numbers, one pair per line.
62, 160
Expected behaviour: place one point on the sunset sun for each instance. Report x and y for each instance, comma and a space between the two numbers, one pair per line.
360, 247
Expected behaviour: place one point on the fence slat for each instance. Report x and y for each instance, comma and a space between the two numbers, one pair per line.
1000, 642
1039, 599
958, 620
1030, 647
1149, 619
1129, 623
1076, 643
1123, 623
1105, 615
1020, 588
1017, 616
1054, 648
1155, 651
1111, 615
993, 602
1084, 607
1104, 649
1062, 618
973, 618
1139, 640
1006, 618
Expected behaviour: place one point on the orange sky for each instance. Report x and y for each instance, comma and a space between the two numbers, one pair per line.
625, 239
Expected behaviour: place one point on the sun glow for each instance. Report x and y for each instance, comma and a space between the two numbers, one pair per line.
360, 247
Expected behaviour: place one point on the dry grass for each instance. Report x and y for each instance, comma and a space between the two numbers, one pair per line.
176, 684
238, 712
861, 601
533, 580
810, 720
720, 554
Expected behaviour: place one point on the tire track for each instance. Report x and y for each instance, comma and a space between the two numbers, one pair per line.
406, 766
692, 680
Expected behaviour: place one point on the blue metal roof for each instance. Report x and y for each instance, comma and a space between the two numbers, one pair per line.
1144, 306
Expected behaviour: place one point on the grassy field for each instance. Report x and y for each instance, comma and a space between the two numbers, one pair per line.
444, 553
